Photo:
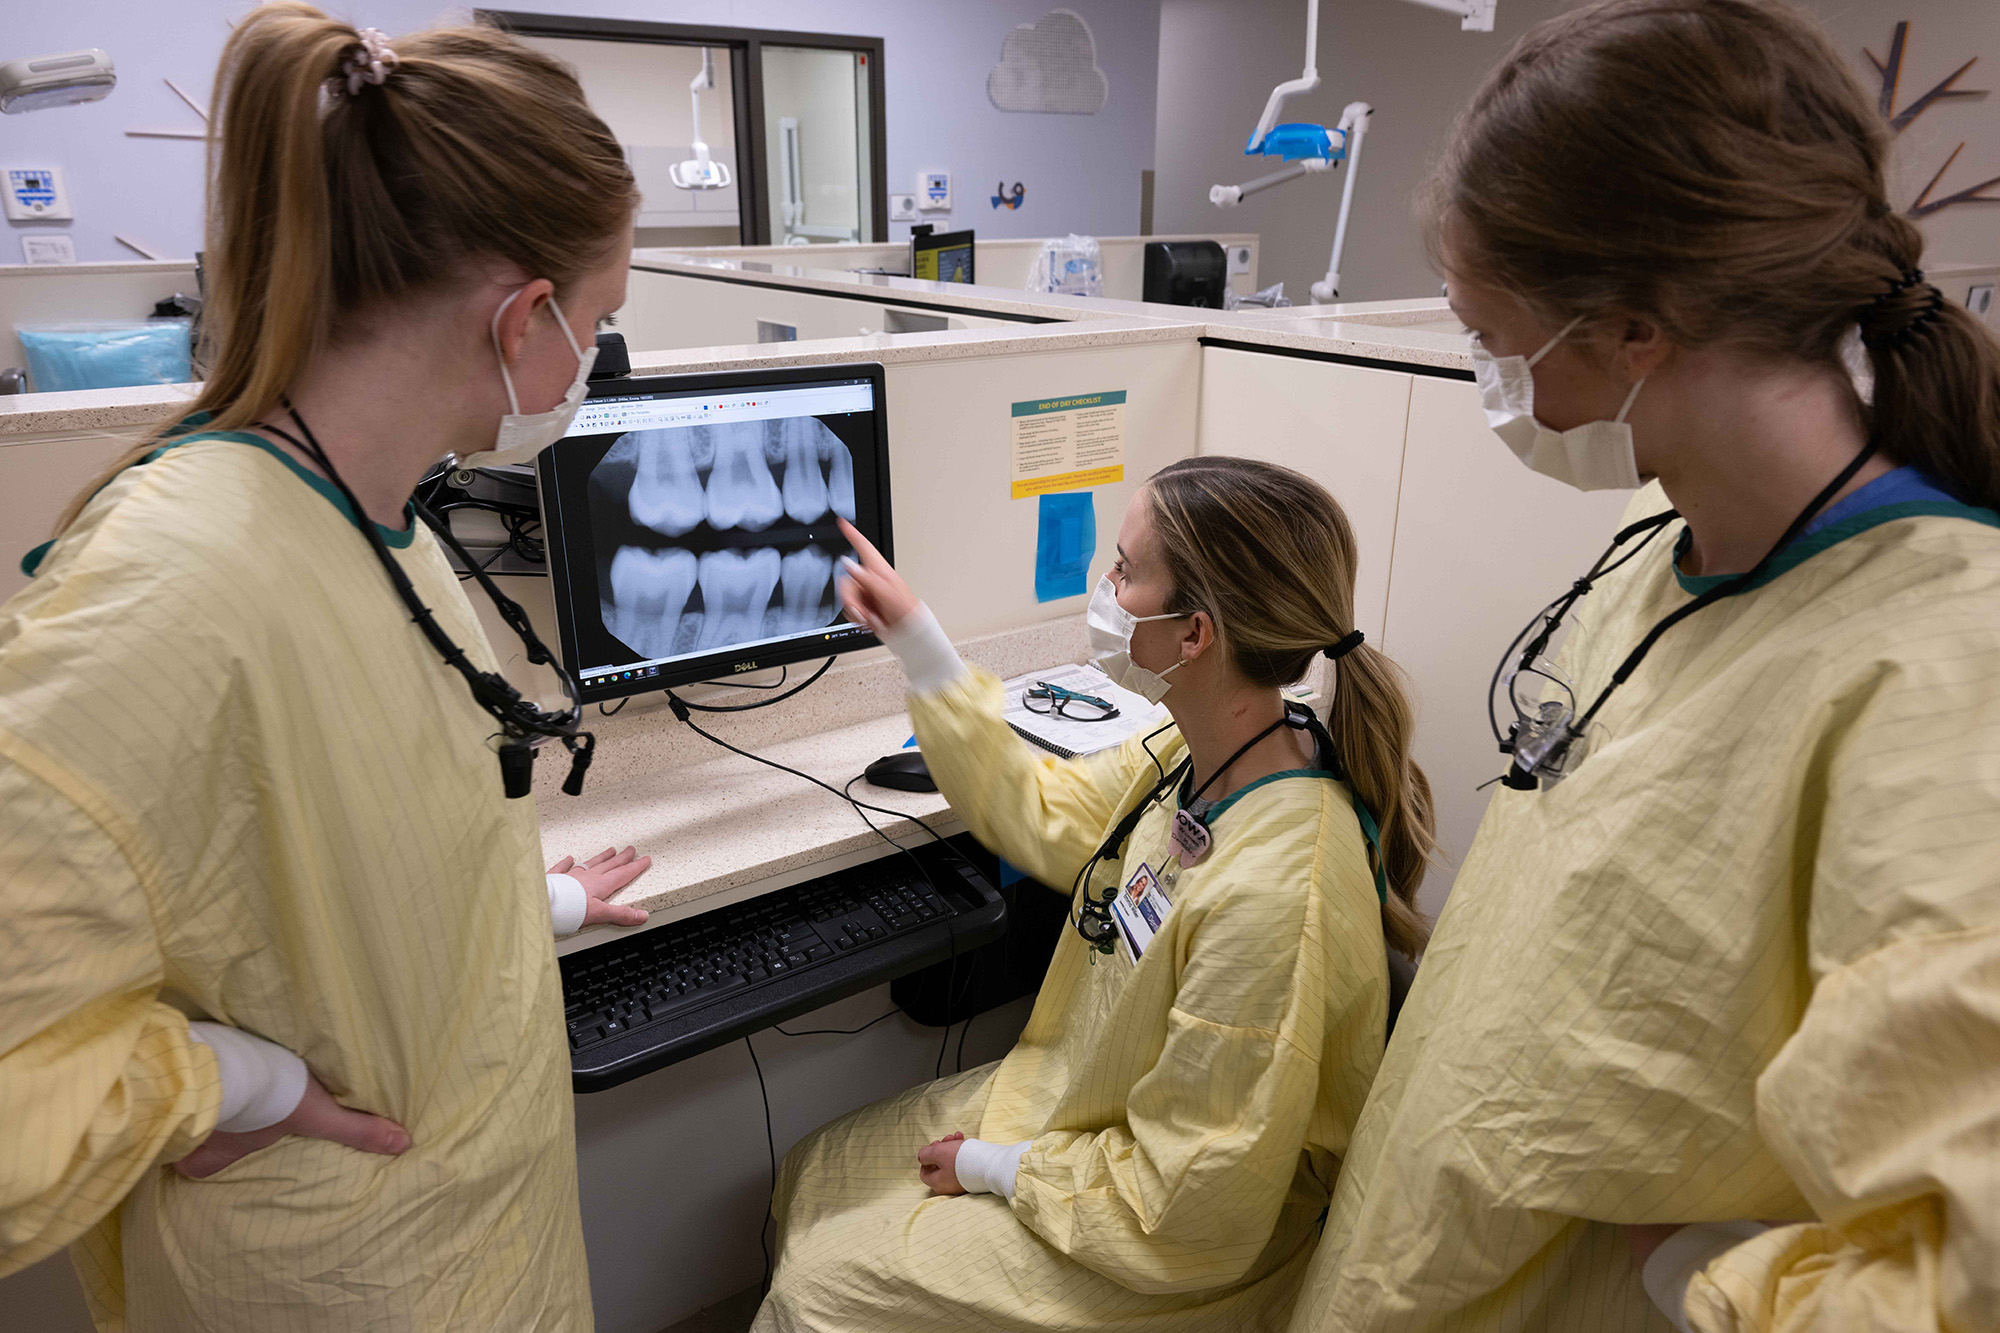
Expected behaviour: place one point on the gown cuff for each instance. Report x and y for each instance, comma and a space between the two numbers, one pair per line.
989, 1168
262, 1082
567, 903
927, 657
1680, 1256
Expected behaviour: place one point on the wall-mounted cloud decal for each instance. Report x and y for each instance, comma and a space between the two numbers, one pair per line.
1049, 65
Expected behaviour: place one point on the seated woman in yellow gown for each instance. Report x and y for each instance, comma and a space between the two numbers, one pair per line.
1158, 1149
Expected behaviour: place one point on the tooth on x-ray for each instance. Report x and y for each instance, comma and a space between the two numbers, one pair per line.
805, 484
735, 591
649, 591
841, 484
742, 493
807, 571
666, 495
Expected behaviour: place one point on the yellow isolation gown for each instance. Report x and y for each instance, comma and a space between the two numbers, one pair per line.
1188, 1113
1743, 964
236, 781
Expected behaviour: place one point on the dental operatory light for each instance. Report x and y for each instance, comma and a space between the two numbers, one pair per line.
1307, 149
700, 172
60, 80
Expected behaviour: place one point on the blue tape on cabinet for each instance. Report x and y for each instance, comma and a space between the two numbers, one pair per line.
1066, 538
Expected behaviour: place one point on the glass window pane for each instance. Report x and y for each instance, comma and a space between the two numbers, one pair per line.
816, 134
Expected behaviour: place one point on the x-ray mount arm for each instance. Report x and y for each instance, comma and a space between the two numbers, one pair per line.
1314, 150
701, 171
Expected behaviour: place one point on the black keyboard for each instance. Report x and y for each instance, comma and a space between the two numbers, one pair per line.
643, 1001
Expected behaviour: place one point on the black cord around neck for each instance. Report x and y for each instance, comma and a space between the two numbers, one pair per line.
520, 720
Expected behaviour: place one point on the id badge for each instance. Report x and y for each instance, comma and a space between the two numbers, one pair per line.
1140, 909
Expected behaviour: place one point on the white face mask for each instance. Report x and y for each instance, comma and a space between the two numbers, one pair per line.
1110, 626
1596, 456
522, 435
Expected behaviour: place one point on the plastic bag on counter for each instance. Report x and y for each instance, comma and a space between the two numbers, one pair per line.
1271, 298
107, 355
1068, 265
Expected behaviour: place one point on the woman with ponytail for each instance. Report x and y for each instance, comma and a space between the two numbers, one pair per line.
1156, 1151
238, 785
1709, 1036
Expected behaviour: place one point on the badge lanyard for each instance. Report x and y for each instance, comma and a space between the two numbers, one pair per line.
1091, 913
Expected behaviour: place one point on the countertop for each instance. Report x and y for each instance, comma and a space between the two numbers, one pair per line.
720, 827
1411, 332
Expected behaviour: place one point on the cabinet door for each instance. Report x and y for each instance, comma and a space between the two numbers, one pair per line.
1481, 545
1340, 425
38, 475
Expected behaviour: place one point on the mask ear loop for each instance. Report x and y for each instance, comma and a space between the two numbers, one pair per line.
506, 376
1550, 345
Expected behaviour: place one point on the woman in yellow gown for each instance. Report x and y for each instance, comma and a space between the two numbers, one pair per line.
1157, 1150
238, 785
1709, 1034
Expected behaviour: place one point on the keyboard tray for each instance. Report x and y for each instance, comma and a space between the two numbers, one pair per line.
640, 1003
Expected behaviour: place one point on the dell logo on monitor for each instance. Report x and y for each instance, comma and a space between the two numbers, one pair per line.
744, 666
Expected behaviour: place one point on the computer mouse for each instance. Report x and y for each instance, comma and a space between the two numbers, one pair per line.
904, 770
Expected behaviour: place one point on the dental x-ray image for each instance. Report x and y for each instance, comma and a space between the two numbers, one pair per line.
727, 533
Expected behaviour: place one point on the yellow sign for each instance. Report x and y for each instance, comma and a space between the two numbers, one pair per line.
1068, 444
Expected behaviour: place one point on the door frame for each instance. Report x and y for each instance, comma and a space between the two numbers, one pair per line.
746, 82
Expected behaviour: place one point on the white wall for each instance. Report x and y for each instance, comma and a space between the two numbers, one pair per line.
641, 91
1220, 58
1081, 172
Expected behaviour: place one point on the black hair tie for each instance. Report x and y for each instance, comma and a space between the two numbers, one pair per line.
1888, 339
1345, 646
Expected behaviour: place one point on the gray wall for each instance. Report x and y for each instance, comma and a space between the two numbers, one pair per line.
1220, 58
1081, 172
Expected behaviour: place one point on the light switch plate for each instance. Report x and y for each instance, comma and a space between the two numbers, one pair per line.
1239, 259
934, 191
36, 194
56, 248
902, 208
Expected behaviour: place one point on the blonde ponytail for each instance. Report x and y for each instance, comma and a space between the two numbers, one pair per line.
332, 194
1271, 557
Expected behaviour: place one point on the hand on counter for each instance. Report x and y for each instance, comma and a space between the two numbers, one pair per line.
602, 876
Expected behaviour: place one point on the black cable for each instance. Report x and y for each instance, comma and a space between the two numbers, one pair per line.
835, 1032
959, 1059
680, 709
614, 712
771, 1148
680, 703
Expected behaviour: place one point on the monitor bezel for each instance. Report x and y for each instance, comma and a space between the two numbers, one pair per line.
734, 662
948, 240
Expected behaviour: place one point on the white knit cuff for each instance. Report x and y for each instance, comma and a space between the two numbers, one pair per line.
567, 903
927, 657
1680, 1256
989, 1168
262, 1082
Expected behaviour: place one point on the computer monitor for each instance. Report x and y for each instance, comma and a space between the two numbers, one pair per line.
942, 256
689, 521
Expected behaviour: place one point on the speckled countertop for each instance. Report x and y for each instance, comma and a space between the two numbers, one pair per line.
722, 827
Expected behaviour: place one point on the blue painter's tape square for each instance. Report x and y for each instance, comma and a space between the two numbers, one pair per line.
1065, 540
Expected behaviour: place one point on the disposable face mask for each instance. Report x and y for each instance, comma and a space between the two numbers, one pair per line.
1596, 456
1110, 626
522, 435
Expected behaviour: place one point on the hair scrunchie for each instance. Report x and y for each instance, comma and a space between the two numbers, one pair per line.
1345, 646
1914, 322
372, 63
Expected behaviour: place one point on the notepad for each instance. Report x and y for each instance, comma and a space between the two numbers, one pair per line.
1060, 735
